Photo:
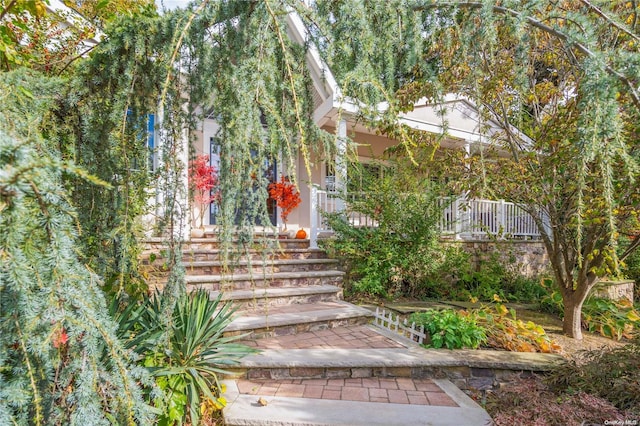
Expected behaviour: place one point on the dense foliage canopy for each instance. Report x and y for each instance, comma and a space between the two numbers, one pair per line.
561, 79
565, 73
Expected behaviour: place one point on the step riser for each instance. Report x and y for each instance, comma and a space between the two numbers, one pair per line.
262, 305
259, 283
254, 256
256, 269
337, 373
209, 244
215, 256
287, 330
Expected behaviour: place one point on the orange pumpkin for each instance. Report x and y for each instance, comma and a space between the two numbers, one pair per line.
301, 234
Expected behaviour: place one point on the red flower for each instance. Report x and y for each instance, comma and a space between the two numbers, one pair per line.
285, 195
203, 182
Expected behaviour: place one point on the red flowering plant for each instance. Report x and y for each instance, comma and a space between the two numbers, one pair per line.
203, 183
286, 196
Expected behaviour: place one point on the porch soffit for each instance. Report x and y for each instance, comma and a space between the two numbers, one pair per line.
456, 116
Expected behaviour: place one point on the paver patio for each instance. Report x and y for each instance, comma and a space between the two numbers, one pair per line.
348, 337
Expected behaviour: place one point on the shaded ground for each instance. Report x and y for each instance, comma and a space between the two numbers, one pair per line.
553, 327
528, 401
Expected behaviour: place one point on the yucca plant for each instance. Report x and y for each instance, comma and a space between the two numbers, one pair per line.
186, 359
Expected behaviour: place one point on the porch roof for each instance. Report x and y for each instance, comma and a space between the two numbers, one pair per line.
456, 116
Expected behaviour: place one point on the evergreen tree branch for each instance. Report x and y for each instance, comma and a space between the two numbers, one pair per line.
294, 92
610, 20
633, 93
75, 58
176, 51
37, 398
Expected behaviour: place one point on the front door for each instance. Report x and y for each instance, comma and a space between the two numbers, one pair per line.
270, 173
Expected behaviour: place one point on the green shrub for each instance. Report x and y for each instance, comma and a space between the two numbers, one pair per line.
551, 302
613, 319
450, 329
495, 277
396, 257
612, 374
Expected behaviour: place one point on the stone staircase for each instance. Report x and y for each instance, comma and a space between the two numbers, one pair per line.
290, 307
286, 289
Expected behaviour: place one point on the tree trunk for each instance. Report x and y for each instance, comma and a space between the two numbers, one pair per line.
572, 324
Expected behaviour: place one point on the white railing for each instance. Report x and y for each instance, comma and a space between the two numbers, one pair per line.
461, 217
481, 218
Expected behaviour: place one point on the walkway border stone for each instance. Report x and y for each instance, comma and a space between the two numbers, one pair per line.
470, 370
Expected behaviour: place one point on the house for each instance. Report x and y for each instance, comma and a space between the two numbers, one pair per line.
455, 117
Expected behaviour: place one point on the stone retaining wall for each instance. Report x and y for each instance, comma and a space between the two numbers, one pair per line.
468, 379
464, 377
470, 370
614, 290
481, 379
527, 257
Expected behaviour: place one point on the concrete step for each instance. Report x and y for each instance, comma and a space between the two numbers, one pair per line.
208, 267
333, 407
275, 280
295, 319
263, 299
254, 254
213, 243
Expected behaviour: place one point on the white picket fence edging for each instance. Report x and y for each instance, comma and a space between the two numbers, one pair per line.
388, 321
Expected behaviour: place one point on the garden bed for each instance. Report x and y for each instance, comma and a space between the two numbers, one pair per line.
526, 312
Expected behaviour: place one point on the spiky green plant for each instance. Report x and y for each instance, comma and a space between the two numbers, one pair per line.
187, 364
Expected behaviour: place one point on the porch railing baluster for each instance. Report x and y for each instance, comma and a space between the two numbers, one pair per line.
462, 217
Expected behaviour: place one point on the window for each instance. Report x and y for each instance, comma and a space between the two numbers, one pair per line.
361, 174
151, 141
330, 177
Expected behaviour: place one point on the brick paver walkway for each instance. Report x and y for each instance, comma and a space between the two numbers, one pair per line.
349, 337
371, 389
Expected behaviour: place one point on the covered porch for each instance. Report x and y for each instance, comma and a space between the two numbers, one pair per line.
462, 218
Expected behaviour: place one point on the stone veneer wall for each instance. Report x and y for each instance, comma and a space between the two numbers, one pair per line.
527, 257
614, 290
464, 377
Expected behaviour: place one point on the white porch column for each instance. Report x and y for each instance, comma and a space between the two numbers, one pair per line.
463, 206
341, 164
158, 186
183, 185
313, 232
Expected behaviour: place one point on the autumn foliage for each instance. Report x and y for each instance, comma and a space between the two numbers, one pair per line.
286, 196
203, 180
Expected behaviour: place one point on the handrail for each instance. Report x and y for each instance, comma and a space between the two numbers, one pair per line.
461, 217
